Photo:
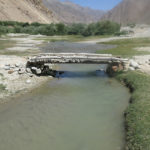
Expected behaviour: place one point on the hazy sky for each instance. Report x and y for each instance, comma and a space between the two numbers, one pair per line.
97, 4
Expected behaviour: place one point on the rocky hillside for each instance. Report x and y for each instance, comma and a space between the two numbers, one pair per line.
25, 11
69, 12
130, 11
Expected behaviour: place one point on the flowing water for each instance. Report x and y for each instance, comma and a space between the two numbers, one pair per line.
81, 110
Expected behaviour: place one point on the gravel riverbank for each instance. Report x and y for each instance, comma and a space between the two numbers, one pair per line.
14, 78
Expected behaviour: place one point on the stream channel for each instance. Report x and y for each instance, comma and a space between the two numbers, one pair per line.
80, 110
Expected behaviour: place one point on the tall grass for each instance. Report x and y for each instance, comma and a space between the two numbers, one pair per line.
137, 115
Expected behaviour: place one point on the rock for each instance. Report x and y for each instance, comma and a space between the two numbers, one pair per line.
131, 69
10, 71
28, 70
28, 81
140, 63
134, 64
7, 67
30, 74
12, 66
16, 69
146, 62
38, 71
17, 65
21, 71
115, 68
33, 68
7, 64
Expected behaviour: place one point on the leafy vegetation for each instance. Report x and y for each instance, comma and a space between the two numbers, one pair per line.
127, 47
137, 115
99, 28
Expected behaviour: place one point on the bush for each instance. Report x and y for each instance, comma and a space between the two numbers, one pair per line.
100, 28
76, 29
107, 28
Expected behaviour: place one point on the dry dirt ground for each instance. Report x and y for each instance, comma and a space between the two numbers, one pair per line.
13, 81
10, 78
24, 11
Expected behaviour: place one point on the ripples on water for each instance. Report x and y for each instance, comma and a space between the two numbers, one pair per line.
82, 110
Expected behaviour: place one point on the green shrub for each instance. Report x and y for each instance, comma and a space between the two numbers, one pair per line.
100, 28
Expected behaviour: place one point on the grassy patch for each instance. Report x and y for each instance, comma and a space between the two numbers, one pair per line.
6, 44
2, 87
71, 38
137, 118
126, 47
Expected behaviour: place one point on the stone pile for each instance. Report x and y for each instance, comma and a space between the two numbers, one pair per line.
30, 71
17, 68
136, 64
133, 65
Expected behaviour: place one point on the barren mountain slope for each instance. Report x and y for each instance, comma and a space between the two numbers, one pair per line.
69, 12
130, 11
25, 11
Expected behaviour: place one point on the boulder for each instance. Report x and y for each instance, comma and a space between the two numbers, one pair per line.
6, 67
17, 65
131, 69
28, 70
134, 64
12, 66
7, 64
38, 71
33, 68
140, 63
10, 71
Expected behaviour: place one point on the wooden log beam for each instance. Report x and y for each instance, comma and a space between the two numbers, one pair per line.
75, 58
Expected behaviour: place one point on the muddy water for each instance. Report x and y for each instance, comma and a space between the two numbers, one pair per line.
82, 110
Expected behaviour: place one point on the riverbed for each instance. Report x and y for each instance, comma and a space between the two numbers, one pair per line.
80, 110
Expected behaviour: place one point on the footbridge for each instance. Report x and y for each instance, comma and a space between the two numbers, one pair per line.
113, 63
83, 58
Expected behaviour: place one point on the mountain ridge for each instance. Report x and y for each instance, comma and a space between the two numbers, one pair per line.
69, 12
25, 11
130, 11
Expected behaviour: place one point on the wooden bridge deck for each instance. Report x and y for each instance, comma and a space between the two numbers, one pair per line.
84, 58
